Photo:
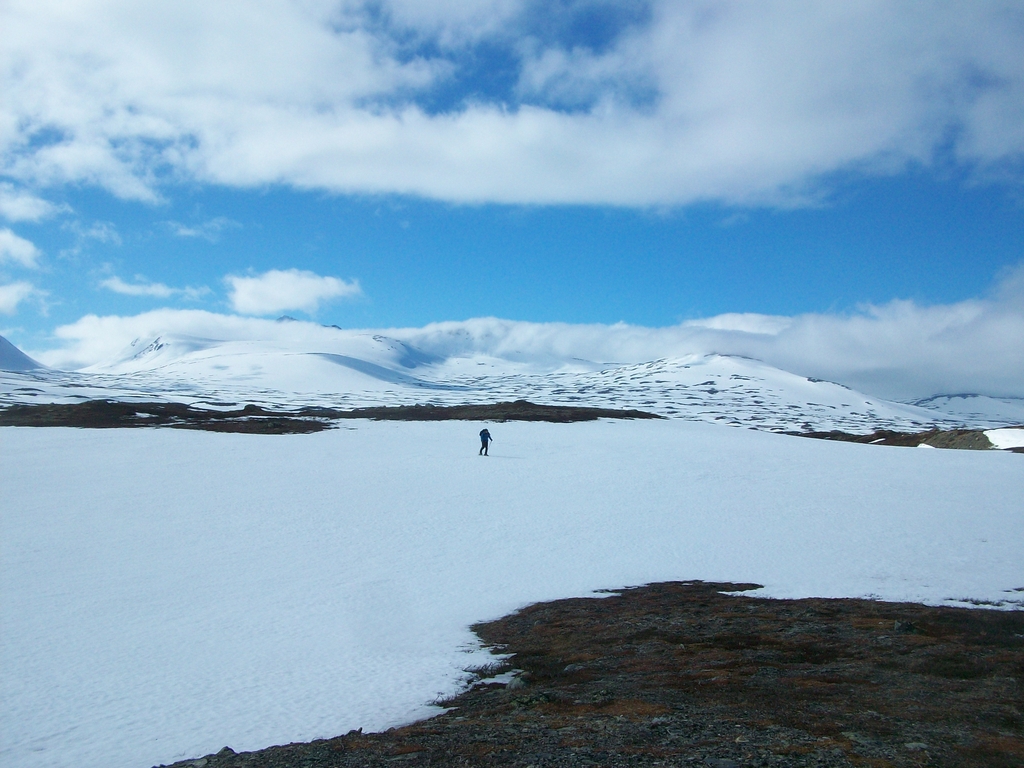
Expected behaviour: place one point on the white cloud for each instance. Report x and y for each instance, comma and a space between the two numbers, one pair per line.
117, 285
17, 249
899, 350
141, 287
208, 230
18, 205
747, 322
284, 290
102, 231
453, 23
732, 101
12, 294
93, 339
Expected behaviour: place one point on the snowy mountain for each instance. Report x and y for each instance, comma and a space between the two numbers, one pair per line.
977, 408
304, 364
13, 359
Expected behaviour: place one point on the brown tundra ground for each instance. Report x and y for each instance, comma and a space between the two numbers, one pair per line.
685, 674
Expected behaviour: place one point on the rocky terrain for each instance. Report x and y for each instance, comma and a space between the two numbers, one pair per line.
694, 674
966, 439
255, 419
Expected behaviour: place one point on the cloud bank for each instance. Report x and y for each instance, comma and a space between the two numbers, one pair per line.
284, 290
19, 205
17, 250
899, 350
12, 294
22, 253
662, 102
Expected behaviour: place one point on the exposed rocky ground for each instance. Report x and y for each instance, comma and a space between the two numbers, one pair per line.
968, 439
258, 420
254, 419
682, 674
518, 410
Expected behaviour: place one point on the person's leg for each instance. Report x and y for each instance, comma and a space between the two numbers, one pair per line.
483, 447
486, 445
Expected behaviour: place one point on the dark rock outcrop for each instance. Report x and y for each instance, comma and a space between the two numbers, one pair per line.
254, 419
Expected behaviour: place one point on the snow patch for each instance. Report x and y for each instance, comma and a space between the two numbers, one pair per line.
167, 592
1011, 437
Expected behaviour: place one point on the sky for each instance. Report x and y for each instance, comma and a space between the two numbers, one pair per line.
399, 163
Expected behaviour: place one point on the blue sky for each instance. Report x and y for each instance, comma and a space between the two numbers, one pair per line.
381, 164
417, 261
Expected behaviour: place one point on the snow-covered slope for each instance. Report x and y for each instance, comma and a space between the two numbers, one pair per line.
305, 364
167, 592
13, 359
977, 409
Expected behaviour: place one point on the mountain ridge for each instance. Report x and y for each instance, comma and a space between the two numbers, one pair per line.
333, 368
13, 359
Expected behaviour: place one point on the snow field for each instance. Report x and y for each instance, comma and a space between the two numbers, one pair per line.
168, 592
1011, 437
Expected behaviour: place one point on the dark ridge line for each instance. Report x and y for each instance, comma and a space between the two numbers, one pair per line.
519, 410
964, 439
106, 414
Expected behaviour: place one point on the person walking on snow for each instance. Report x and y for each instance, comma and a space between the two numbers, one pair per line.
485, 438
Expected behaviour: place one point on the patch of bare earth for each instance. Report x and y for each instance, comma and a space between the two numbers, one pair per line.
964, 439
252, 419
682, 674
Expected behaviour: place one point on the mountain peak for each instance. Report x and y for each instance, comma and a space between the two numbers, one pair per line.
13, 359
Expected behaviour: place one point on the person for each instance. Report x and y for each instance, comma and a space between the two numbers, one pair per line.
485, 438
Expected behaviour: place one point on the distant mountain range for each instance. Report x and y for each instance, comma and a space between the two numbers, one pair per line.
347, 369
